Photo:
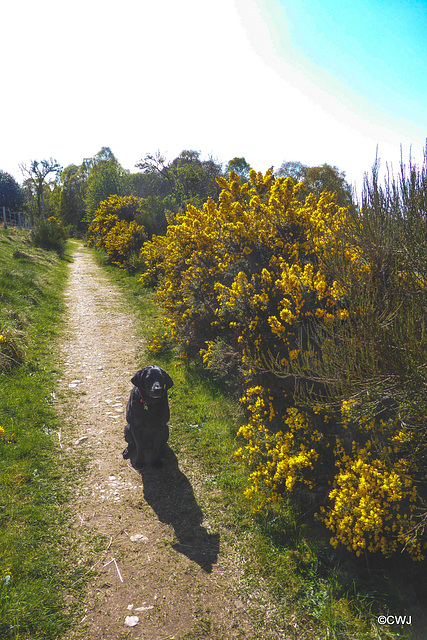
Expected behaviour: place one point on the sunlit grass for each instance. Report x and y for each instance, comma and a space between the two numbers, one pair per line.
33, 491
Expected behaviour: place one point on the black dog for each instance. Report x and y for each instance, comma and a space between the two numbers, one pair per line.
147, 414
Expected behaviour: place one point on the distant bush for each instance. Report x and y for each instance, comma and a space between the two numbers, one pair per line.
115, 230
50, 234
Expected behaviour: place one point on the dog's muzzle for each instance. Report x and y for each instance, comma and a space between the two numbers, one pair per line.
156, 390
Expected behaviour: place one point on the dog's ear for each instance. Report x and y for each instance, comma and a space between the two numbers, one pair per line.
138, 377
168, 380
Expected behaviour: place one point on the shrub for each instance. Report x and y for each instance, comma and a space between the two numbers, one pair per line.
314, 304
247, 265
115, 231
375, 368
50, 234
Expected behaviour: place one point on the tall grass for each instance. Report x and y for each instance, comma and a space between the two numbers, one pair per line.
384, 343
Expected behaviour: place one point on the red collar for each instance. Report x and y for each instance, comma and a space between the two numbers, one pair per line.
145, 402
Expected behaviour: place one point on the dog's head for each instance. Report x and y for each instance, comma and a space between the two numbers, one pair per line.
152, 381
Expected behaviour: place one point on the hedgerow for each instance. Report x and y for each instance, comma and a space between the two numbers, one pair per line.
269, 288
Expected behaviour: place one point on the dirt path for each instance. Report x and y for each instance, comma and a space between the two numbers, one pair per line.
180, 579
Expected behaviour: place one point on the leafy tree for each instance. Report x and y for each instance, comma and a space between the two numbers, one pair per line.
153, 214
157, 172
187, 178
318, 179
72, 199
171, 186
239, 166
195, 179
11, 194
149, 184
37, 172
293, 169
328, 178
106, 177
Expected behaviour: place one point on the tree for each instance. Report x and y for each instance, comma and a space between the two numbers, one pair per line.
157, 171
171, 186
195, 179
328, 178
318, 179
11, 194
106, 178
239, 166
72, 204
293, 169
37, 172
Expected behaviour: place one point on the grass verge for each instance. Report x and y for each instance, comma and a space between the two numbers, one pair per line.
33, 479
315, 591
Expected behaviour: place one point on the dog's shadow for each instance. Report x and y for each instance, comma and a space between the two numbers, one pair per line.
169, 492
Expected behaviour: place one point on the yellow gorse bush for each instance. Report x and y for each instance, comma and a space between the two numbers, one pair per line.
248, 263
115, 230
280, 458
373, 504
242, 280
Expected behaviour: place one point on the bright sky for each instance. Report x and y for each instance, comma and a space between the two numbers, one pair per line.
271, 80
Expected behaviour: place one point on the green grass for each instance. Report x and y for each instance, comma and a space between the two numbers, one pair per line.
33, 487
318, 592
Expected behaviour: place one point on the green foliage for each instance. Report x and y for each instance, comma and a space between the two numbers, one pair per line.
293, 169
318, 180
153, 214
11, 194
239, 166
50, 234
72, 201
106, 177
185, 180
37, 173
194, 179
327, 178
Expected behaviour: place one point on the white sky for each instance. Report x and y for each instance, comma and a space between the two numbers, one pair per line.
220, 77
